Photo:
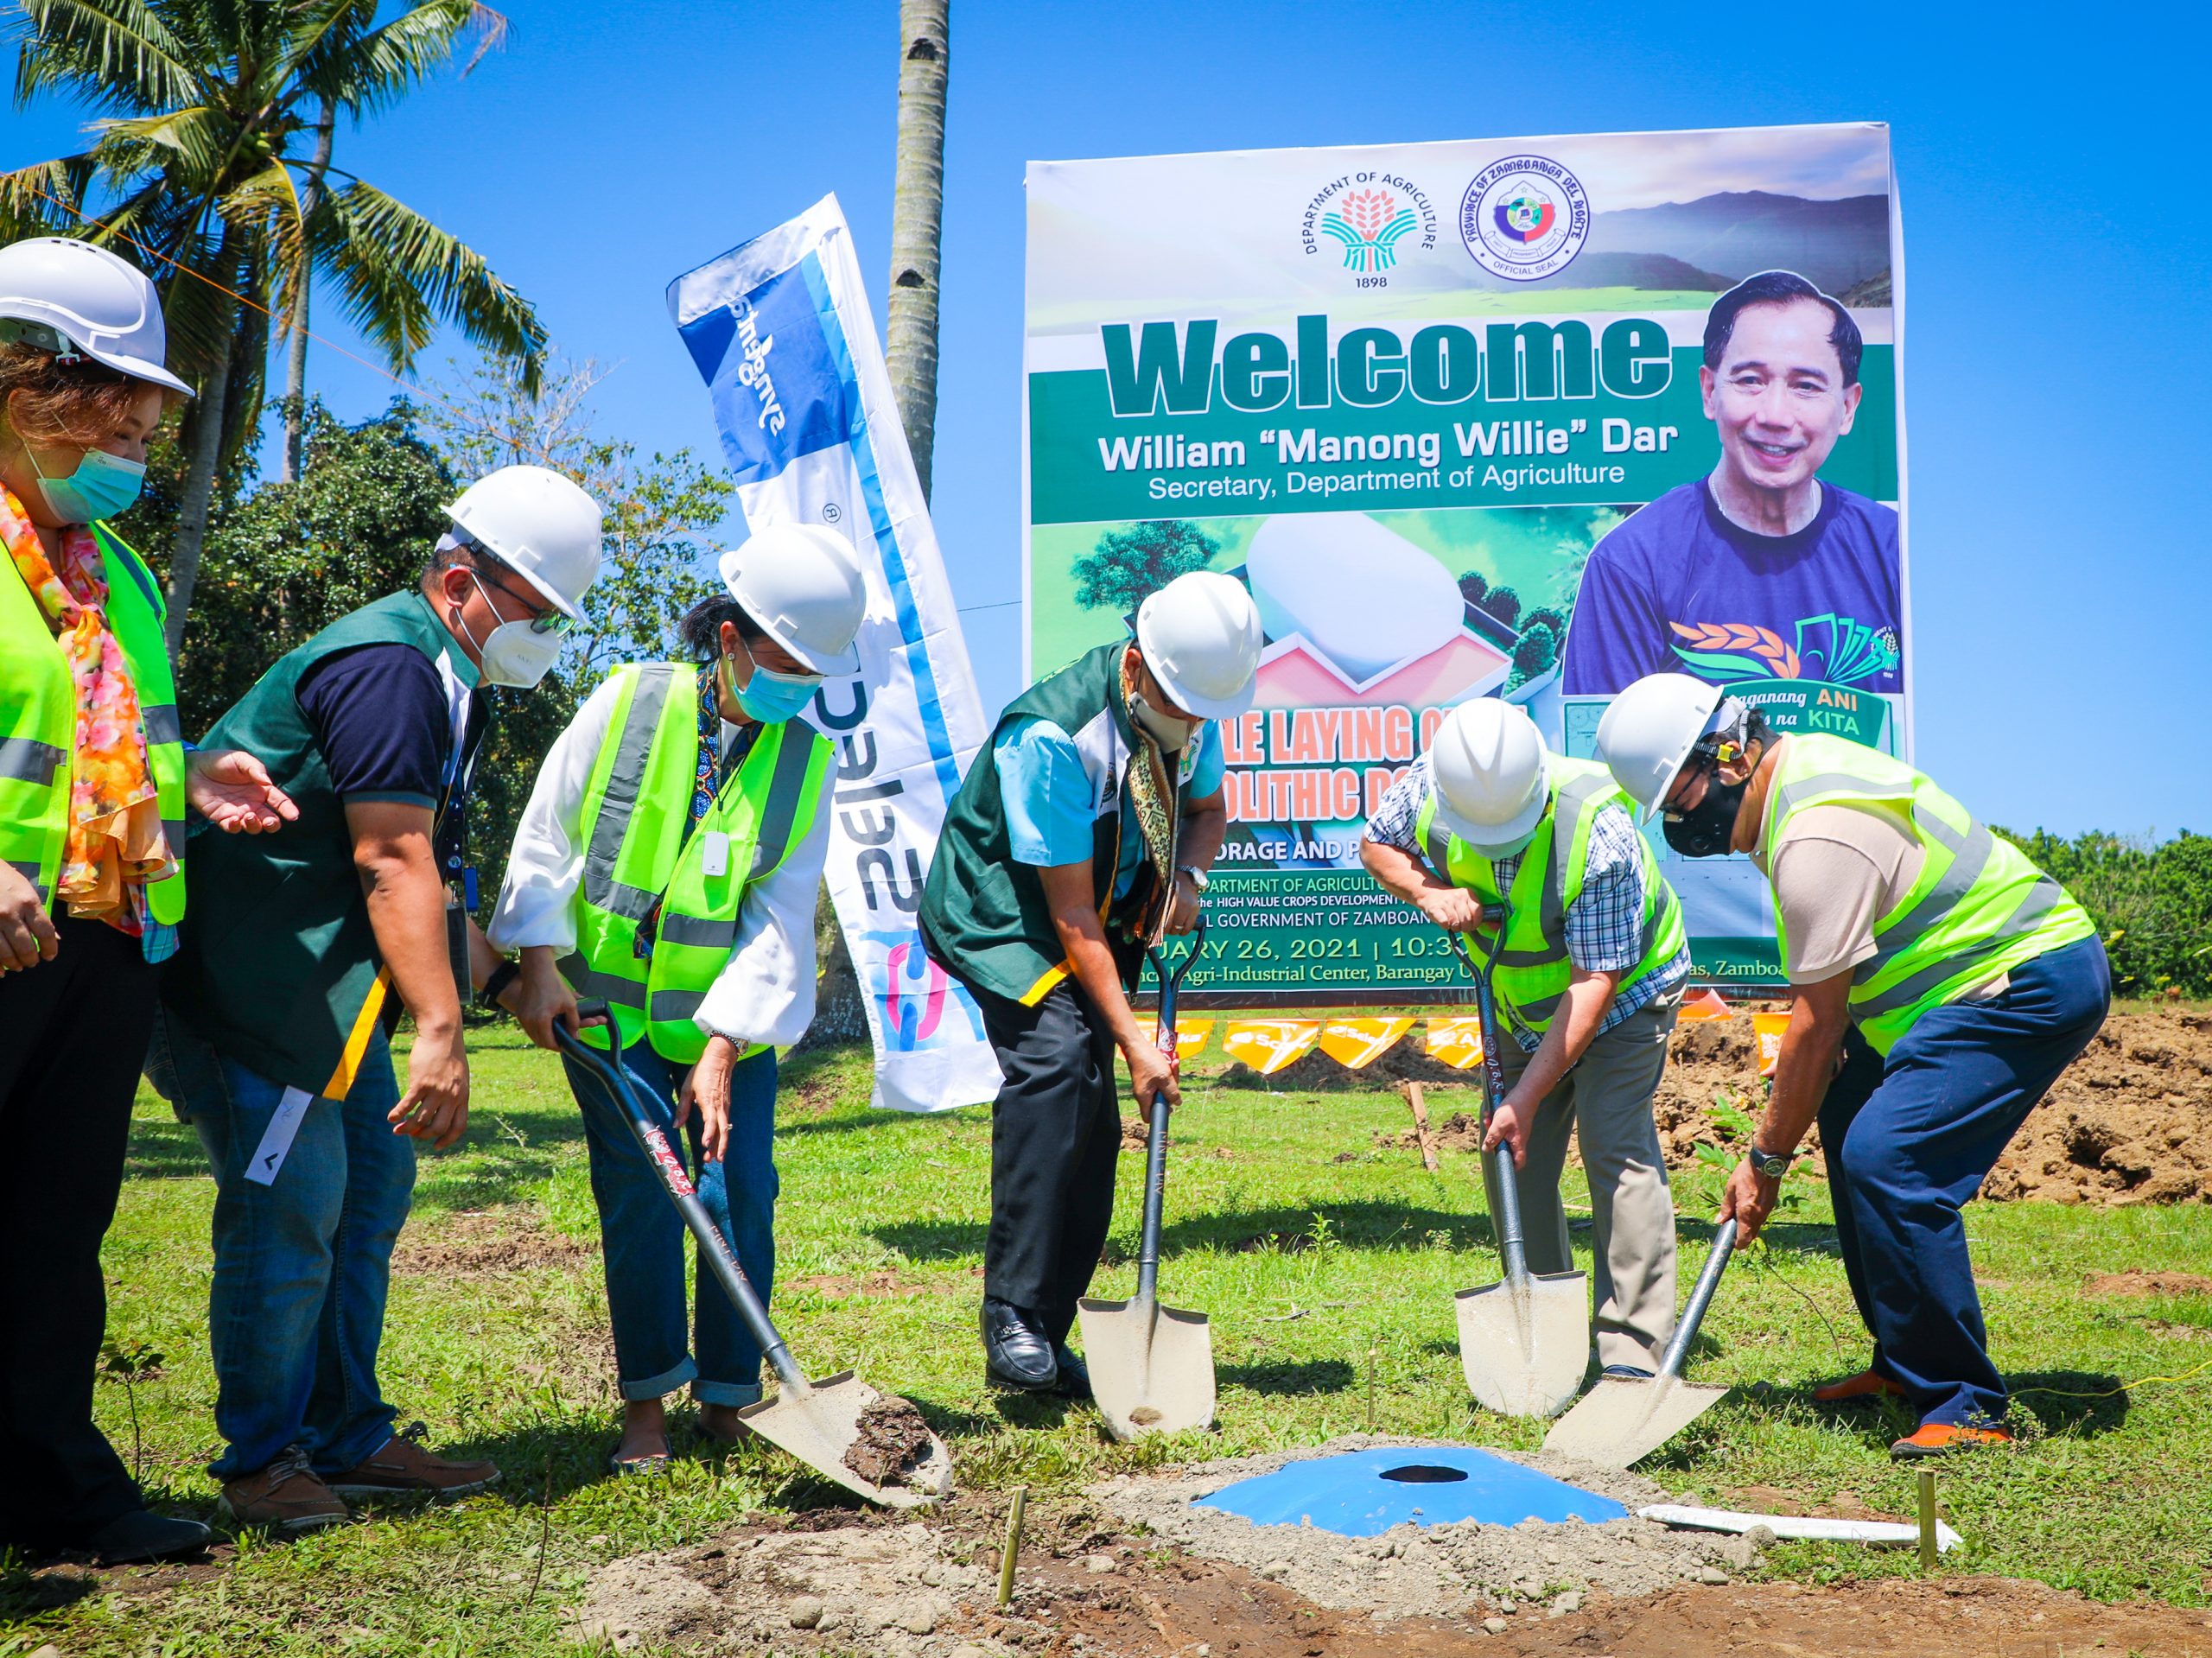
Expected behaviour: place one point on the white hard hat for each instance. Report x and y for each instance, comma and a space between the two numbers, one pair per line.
1488, 773
1200, 636
1648, 733
802, 584
95, 301
540, 525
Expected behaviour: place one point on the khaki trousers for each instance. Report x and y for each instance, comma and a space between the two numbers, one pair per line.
1604, 1101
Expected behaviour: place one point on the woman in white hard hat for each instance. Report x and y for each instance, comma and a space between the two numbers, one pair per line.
667, 864
1086, 827
1591, 980
1942, 982
271, 1042
94, 783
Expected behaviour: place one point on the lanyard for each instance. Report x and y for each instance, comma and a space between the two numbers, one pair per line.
710, 774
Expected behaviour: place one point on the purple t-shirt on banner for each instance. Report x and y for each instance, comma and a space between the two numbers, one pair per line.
1677, 588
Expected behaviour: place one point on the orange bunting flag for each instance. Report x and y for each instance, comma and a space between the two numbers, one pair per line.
1457, 1042
1269, 1044
1191, 1035
1707, 1003
1354, 1043
1769, 1027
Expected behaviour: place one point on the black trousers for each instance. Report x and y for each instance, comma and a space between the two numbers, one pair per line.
1056, 1131
73, 1036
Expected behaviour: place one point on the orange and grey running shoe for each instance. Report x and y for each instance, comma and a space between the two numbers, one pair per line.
1941, 1439
1867, 1384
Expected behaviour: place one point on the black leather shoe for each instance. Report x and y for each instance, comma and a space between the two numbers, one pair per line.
1016, 1353
1075, 1375
142, 1534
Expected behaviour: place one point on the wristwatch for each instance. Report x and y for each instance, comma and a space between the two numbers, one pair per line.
496, 983
1198, 876
1772, 1165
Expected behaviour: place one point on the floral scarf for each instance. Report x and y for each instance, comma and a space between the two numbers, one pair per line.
115, 843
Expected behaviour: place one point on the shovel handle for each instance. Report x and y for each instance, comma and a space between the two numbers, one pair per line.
646, 1128
1716, 1262
1512, 1241
1155, 1144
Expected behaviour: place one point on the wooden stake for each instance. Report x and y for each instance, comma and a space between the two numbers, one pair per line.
1012, 1543
1927, 1520
1420, 1126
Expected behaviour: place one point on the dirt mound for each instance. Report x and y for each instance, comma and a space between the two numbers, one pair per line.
873, 1588
2128, 1122
1458, 1570
1405, 1060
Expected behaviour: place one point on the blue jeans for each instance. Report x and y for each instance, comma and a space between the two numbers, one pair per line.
301, 1265
1911, 1139
642, 1235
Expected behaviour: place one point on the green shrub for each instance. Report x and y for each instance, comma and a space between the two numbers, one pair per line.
2152, 903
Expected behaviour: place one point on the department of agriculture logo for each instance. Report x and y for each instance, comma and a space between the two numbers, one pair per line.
1524, 217
1370, 224
1372, 218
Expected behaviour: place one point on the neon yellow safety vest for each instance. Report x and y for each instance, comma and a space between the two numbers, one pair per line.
635, 813
1980, 908
1532, 968
38, 723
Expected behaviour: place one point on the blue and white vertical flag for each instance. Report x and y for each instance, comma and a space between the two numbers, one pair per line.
781, 329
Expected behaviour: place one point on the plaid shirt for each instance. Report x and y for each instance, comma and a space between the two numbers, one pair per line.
1605, 924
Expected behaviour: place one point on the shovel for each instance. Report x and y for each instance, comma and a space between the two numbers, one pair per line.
1524, 1343
1151, 1366
817, 1422
1626, 1417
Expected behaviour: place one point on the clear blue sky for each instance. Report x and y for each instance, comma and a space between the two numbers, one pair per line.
2058, 230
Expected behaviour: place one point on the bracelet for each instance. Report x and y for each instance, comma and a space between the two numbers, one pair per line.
496, 984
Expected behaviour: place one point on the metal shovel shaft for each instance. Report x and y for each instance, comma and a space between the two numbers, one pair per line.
668, 1164
1709, 1280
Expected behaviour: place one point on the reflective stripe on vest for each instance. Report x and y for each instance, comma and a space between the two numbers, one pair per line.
1533, 969
38, 714
1978, 909
637, 854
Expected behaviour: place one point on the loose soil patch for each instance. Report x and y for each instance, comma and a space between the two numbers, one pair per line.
889, 1438
2128, 1122
484, 1243
841, 1581
2136, 1281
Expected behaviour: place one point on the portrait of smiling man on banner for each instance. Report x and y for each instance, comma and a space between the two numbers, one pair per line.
1760, 576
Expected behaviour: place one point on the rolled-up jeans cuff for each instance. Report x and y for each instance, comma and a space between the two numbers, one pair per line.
666, 1382
727, 1393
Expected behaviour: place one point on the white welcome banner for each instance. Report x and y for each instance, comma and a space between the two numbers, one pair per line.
781, 329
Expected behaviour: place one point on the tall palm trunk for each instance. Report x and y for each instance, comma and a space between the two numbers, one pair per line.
205, 446
296, 367
841, 1014
917, 214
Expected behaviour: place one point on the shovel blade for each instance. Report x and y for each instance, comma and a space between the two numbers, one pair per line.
1151, 1367
1626, 1417
821, 1425
1524, 1349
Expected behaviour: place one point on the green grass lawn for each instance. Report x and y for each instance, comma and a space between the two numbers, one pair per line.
1328, 1267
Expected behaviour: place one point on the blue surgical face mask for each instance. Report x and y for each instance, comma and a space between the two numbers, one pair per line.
101, 486
772, 698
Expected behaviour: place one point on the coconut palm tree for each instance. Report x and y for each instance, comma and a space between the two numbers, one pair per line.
917, 214
197, 171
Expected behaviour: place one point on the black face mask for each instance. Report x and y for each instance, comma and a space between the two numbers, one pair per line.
1705, 831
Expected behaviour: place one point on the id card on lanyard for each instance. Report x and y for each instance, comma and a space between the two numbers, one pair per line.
449, 831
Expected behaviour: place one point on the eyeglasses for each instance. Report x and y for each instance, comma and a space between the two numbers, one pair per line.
543, 618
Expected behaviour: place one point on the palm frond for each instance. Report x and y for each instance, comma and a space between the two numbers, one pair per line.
379, 246
389, 61
118, 54
39, 199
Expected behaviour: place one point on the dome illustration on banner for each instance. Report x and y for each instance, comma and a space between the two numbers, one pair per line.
1357, 614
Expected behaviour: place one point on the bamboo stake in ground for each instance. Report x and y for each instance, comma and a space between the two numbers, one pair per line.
1926, 1520
1012, 1543
1420, 1126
